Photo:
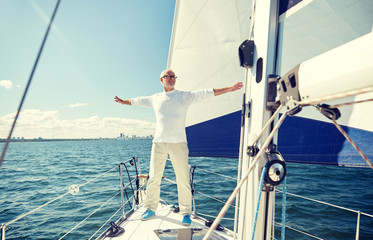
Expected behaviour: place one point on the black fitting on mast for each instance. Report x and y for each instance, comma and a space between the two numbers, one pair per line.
273, 101
288, 88
246, 53
276, 167
252, 151
329, 112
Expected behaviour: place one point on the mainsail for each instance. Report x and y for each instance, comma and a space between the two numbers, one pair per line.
204, 53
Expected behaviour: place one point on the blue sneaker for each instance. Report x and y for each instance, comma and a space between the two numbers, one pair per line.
186, 220
147, 214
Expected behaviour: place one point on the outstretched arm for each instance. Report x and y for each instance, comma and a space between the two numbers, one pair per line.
219, 91
121, 101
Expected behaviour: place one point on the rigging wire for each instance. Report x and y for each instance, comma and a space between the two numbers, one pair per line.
29, 82
341, 129
353, 144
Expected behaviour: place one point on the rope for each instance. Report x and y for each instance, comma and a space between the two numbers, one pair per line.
350, 103
258, 201
72, 229
336, 96
29, 82
239, 185
353, 144
283, 217
267, 125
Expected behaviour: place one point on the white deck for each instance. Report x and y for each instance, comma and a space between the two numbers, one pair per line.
168, 223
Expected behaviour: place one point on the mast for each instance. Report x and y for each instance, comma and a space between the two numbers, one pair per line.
264, 32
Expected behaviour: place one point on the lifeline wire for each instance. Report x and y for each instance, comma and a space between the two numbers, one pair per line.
45, 204
328, 204
238, 187
353, 144
28, 83
219, 174
296, 230
76, 226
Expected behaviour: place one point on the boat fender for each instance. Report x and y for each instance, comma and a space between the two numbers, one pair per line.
115, 230
208, 223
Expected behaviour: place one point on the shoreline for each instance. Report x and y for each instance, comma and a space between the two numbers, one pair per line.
66, 139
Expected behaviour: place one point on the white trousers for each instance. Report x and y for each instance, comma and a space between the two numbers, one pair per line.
178, 153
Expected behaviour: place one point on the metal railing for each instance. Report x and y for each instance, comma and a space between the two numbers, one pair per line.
359, 213
74, 189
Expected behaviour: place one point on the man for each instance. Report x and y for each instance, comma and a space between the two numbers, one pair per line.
170, 107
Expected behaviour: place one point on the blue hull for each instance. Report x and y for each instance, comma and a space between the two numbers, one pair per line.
300, 140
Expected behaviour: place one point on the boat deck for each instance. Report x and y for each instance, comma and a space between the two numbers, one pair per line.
166, 224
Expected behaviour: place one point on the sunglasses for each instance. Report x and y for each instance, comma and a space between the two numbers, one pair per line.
168, 76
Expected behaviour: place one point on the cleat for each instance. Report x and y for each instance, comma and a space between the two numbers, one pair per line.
147, 214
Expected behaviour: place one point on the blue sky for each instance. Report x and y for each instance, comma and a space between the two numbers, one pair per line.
96, 49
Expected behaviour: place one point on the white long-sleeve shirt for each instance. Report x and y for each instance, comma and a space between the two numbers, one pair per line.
170, 110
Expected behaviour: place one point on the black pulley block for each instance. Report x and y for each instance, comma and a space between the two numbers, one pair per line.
246, 54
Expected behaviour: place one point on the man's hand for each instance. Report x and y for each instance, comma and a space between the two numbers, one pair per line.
121, 101
235, 87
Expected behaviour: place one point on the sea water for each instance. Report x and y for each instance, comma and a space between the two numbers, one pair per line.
34, 173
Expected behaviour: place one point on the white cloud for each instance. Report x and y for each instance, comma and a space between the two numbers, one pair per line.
77, 105
7, 84
33, 123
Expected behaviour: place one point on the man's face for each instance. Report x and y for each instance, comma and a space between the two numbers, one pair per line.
168, 80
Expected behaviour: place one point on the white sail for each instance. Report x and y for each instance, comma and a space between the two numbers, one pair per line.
204, 52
